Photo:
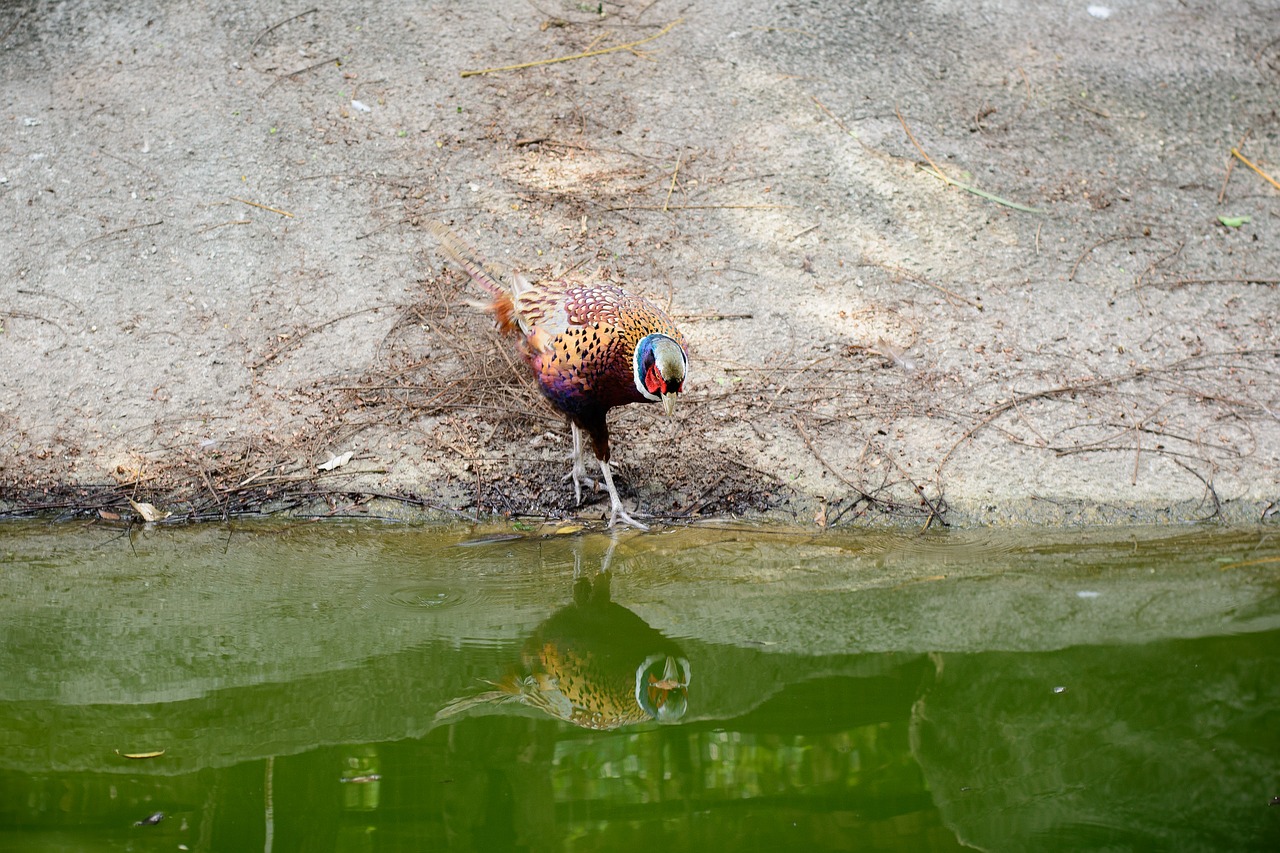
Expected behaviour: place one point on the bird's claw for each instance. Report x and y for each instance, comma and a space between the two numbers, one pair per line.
615, 509
618, 512
579, 476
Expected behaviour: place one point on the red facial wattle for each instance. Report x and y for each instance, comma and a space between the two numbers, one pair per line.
653, 380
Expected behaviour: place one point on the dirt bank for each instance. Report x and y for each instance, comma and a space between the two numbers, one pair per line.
216, 277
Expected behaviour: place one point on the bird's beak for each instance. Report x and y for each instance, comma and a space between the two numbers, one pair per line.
669, 403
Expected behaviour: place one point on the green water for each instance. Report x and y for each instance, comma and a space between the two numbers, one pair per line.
362, 688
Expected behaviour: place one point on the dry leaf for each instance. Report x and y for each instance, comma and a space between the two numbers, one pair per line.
893, 353
156, 754
108, 515
148, 511
336, 461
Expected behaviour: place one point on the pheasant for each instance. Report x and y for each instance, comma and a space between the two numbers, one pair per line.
591, 347
593, 663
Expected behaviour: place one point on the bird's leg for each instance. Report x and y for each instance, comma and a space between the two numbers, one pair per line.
608, 554
579, 471
617, 511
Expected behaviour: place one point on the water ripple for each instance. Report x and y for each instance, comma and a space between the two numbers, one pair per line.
429, 597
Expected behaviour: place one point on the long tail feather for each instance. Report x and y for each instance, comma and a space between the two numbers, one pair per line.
465, 256
482, 273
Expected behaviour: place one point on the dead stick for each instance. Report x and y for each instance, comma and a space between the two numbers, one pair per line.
920, 148
804, 435
922, 280
664, 207
671, 188
701, 500
298, 73
1235, 152
584, 55
934, 511
294, 340
208, 228
1151, 267
840, 124
937, 172
1088, 251
115, 232
269, 30
1082, 105
1231, 165
1184, 281
833, 116
263, 206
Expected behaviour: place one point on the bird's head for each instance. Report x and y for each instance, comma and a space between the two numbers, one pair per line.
662, 687
660, 368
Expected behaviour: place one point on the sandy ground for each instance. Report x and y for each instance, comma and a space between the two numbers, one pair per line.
216, 275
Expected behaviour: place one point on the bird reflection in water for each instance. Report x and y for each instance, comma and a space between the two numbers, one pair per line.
595, 664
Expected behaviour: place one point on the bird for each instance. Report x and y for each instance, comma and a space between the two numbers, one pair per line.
590, 345
592, 663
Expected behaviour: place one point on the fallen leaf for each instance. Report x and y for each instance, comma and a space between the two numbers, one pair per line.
335, 462
148, 511
893, 353
1234, 221
108, 515
135, 755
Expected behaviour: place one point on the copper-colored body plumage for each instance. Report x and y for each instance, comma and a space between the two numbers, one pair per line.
590, 345
595, 664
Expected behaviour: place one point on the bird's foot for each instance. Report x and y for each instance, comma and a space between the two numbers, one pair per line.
616, 511
619, 513
579, 476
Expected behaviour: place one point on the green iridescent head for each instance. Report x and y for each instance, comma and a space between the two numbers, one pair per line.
660, 369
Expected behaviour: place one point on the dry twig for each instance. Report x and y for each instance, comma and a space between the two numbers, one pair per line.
299, 73
1235, 152
124, 230
950, 294
672, 188
262, 206
294, 340
269, 30
1231, 165
1102, 242
664, 207
583, 55
937, 172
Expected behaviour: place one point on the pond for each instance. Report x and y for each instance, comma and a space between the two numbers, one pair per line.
379, 687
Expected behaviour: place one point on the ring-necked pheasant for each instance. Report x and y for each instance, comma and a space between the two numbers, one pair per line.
591, 346
595, 664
